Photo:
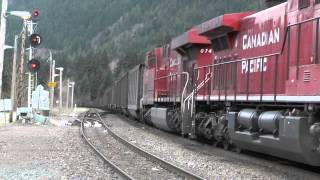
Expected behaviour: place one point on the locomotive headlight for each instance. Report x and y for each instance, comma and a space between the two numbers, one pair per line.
310, 107
315, 130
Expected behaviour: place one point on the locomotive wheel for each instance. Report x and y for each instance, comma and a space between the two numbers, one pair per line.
215, 143
238, 150
208, 133
226, 145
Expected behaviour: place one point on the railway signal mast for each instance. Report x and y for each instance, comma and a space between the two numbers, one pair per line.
25, 16
34, 64
2, 37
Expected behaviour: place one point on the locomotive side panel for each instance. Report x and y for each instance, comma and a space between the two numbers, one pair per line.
248, 65
204, 74
261, 72
149, 76
301, 79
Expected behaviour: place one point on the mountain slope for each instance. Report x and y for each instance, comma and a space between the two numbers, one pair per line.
89, 37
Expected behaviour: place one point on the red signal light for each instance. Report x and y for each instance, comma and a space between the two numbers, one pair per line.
34, 65
36, 13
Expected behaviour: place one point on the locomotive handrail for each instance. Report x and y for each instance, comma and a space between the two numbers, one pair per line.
191, 95
304, 21
199, 85
295, 24
184, 91
171, 75
239, 60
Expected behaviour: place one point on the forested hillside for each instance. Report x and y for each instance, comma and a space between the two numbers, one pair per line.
97, 40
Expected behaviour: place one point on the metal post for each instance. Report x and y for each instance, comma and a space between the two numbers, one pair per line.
36, 81
72, 92
30, 26
52, 80
50, 76
29, 89
60, 88
68, 87
13, 78
2, 37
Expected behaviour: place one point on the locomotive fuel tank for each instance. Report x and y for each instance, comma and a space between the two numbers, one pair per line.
294, 140
269, 122
248, 119
165, 119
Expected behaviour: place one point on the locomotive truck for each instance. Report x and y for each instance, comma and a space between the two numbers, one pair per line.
248, 80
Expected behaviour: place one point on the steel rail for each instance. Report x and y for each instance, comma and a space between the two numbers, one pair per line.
169, 166
118, 170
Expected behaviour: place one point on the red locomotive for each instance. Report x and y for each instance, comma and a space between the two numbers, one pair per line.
246, 80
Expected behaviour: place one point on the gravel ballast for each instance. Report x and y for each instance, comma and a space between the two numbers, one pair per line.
48, 152
202, 159
132, 163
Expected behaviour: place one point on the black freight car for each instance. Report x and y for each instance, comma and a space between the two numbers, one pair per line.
135, 85
126, 93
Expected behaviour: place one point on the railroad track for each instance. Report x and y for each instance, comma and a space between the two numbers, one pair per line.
165, 170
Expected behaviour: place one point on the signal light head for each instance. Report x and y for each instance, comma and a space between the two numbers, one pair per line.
36, 13
35, 40
34, 65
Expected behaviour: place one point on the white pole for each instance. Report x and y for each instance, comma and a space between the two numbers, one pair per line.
30, 27
60, 88
36, 81
13, 78
29, 89
72, 92
67, 103
52, 80
2, 37
50, 76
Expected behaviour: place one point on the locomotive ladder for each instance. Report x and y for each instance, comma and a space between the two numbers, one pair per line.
189, 100
188, 106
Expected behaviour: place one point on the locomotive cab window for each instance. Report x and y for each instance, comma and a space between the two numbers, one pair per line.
304, 4
220, 43
151, 61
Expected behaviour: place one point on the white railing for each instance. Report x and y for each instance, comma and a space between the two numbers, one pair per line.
190, 98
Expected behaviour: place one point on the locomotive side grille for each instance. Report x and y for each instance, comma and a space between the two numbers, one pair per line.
306, 76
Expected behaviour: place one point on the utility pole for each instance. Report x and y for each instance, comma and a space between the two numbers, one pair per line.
30, 76
72, 92
68, 87
60, 87
53, 75
2, 37
13, 78
21, 73
50, 75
